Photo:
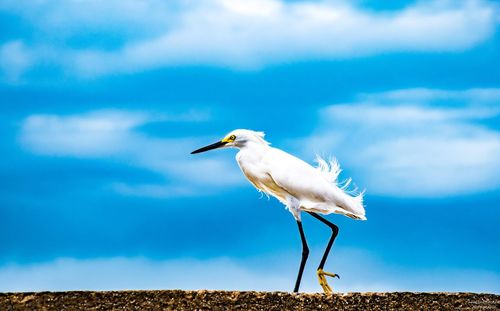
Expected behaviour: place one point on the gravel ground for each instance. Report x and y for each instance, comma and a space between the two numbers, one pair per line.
227, 300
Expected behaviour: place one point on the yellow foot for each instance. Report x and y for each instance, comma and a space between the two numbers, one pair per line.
322, 280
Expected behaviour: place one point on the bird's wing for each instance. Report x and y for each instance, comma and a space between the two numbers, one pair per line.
295, 176
310, 186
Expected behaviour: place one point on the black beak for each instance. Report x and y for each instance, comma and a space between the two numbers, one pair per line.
210, 147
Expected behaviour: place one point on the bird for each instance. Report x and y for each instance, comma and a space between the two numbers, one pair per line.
298, 185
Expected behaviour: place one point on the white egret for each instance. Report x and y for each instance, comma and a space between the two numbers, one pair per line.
296, 184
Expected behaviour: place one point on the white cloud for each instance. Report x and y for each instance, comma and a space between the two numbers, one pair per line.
94, 134
246, 33
114, 135
137, 273
359, 270
243, 34
15, 59
420, 142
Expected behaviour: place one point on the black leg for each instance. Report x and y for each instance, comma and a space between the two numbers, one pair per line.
305, 254
335, 231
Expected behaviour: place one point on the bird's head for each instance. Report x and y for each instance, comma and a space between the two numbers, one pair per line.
236, 139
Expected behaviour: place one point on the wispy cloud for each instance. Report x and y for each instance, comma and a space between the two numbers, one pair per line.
114, 135
360, 272
15, 59
243, 33
93, 134
418, 142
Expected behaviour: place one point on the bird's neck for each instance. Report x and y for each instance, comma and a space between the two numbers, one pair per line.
251, 153
253, 145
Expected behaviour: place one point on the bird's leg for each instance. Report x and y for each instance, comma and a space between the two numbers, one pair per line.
305, 254
321, 274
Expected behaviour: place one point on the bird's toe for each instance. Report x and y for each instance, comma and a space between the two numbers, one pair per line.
333, 275
323, 282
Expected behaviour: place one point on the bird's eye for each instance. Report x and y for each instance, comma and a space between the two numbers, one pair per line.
232, 137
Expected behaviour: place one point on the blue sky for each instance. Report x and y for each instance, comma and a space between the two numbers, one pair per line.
102, 102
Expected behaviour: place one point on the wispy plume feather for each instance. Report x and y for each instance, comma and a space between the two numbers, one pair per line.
331, 170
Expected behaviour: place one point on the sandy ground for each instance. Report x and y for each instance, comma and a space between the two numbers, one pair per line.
227, 300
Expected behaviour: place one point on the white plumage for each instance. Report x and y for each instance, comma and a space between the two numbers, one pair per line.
295, 183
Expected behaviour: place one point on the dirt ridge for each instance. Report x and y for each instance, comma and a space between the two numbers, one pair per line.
246, 300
